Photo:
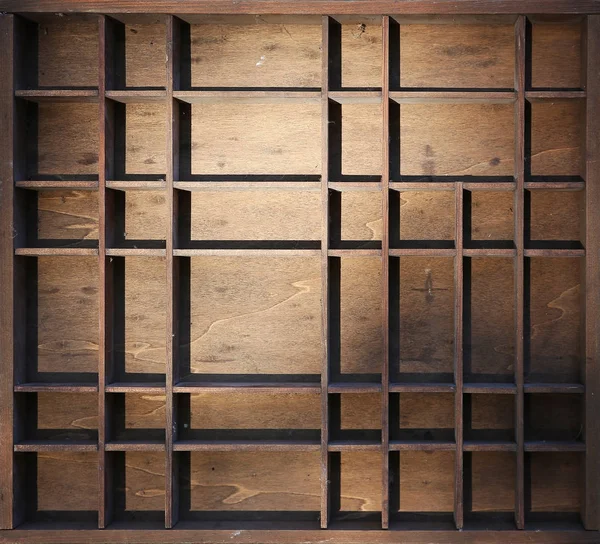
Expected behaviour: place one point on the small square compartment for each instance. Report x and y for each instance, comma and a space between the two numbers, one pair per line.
60, 139
360, 318
489, 418
138, 487
553, 320
250, 141
482, 144
361, 221
422, 487
553, 417
355, 417
359, 486
490, 478
139, 50
61, 319
249, 486
444, 56
136, 417
63, 51
69, 418
242, 312
420, 417
556, 140
274, 416
139, 319
556, 47
138, 151
361, 53
59, 487
555, 219
488, 320
489, 219
274, 219
422, 319
247, 52
558, 497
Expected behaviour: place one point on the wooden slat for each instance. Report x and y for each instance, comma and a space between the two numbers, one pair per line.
56, 251
453, 97
555, 185
136, 97
135, 252
58, 95
458, 358
422, 252
158, 185
475, 445
356, 388
55, 388
554, 94
490, 388
247, 185
422, 388
134, 446
136, 387
591, 370
249, 97
519, 214
246, 252
554, 252
44, 185
353, 445
7, 330
356, 97
554, 446
405, 445
385, 274
553, 388
238, 445
256, 387
56, 445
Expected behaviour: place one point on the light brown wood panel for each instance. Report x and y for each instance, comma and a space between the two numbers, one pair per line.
256, 139
145, 130
145, 55
67, 481
561, 492
145, 215
144, 411
144, 481
256, 215
492, 411
427, 215
361, 54
426, 481
67, 139
67, 314
492, 216
426, 411
555, 315
360, 481
426, 315
361, 215
145, 318
467, 56
493, 481
556, 55
68, 53
67, 411
361, 139
256, 55
360, 411
255, 411
482, 142
71, 215
255, 481
556, 137
361, 315
492, 318
255, 315
556, 215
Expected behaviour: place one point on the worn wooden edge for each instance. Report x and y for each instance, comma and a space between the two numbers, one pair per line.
317, 7
6, 270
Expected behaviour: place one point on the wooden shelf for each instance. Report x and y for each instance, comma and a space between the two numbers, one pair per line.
248, 96
56, 252
257, 387
409, 445
43, 185
554, 388
246, 185
120, 445
58, 95
156, 185
353, 445
453, 96
554, 446
349, 387
135, 387
246, 252
55, 446
478, 445
490, 388
422, 388
55, 388
238, 445
137, 96
136, 252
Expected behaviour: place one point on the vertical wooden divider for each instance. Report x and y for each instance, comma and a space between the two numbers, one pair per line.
591, 503
172, 328
325, 273
519, 273
105, 294
7, 269
385, 273
458, 356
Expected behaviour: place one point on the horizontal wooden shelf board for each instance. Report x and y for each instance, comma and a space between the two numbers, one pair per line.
64, 445
55, 388
554, 388
140, 387
555, 185
136, 252
493, 388
422, 387
246, 252
58, 95
554, 94
409, 445
137, 96
453, 96
156, 185
554, 252
247, 185
474, 445
238, 445
257, 387
353, 445
119, 445
249, 96
56, 251
358, 387
554, 446
57, 184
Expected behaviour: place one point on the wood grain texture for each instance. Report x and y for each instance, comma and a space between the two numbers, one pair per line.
360, 411
144, 484
145, 55
71, 215
145, 215
281, 303
561, 494
492, 482
360, 482
556, 215
427, 215
145, 126
144, 411
361, 215
361, 139
467, 56
255, 139
492, 216
361, 54
67, 412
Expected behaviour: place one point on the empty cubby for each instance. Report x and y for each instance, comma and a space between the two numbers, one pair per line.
489, 320
249, 486
361, 42
422, 417
361, 222
555, 219
489, 417
355, 417
422, 319
489, 219
136, 418
554, 417
553, 320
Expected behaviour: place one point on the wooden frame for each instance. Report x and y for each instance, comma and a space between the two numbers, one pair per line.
535, 254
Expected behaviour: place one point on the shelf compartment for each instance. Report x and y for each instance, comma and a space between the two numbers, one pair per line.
489, 219
419, 417
553, 417
136, 418
355, 417
555, 217
361, 222
236, 303
360, 43
268, 486
489, 418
